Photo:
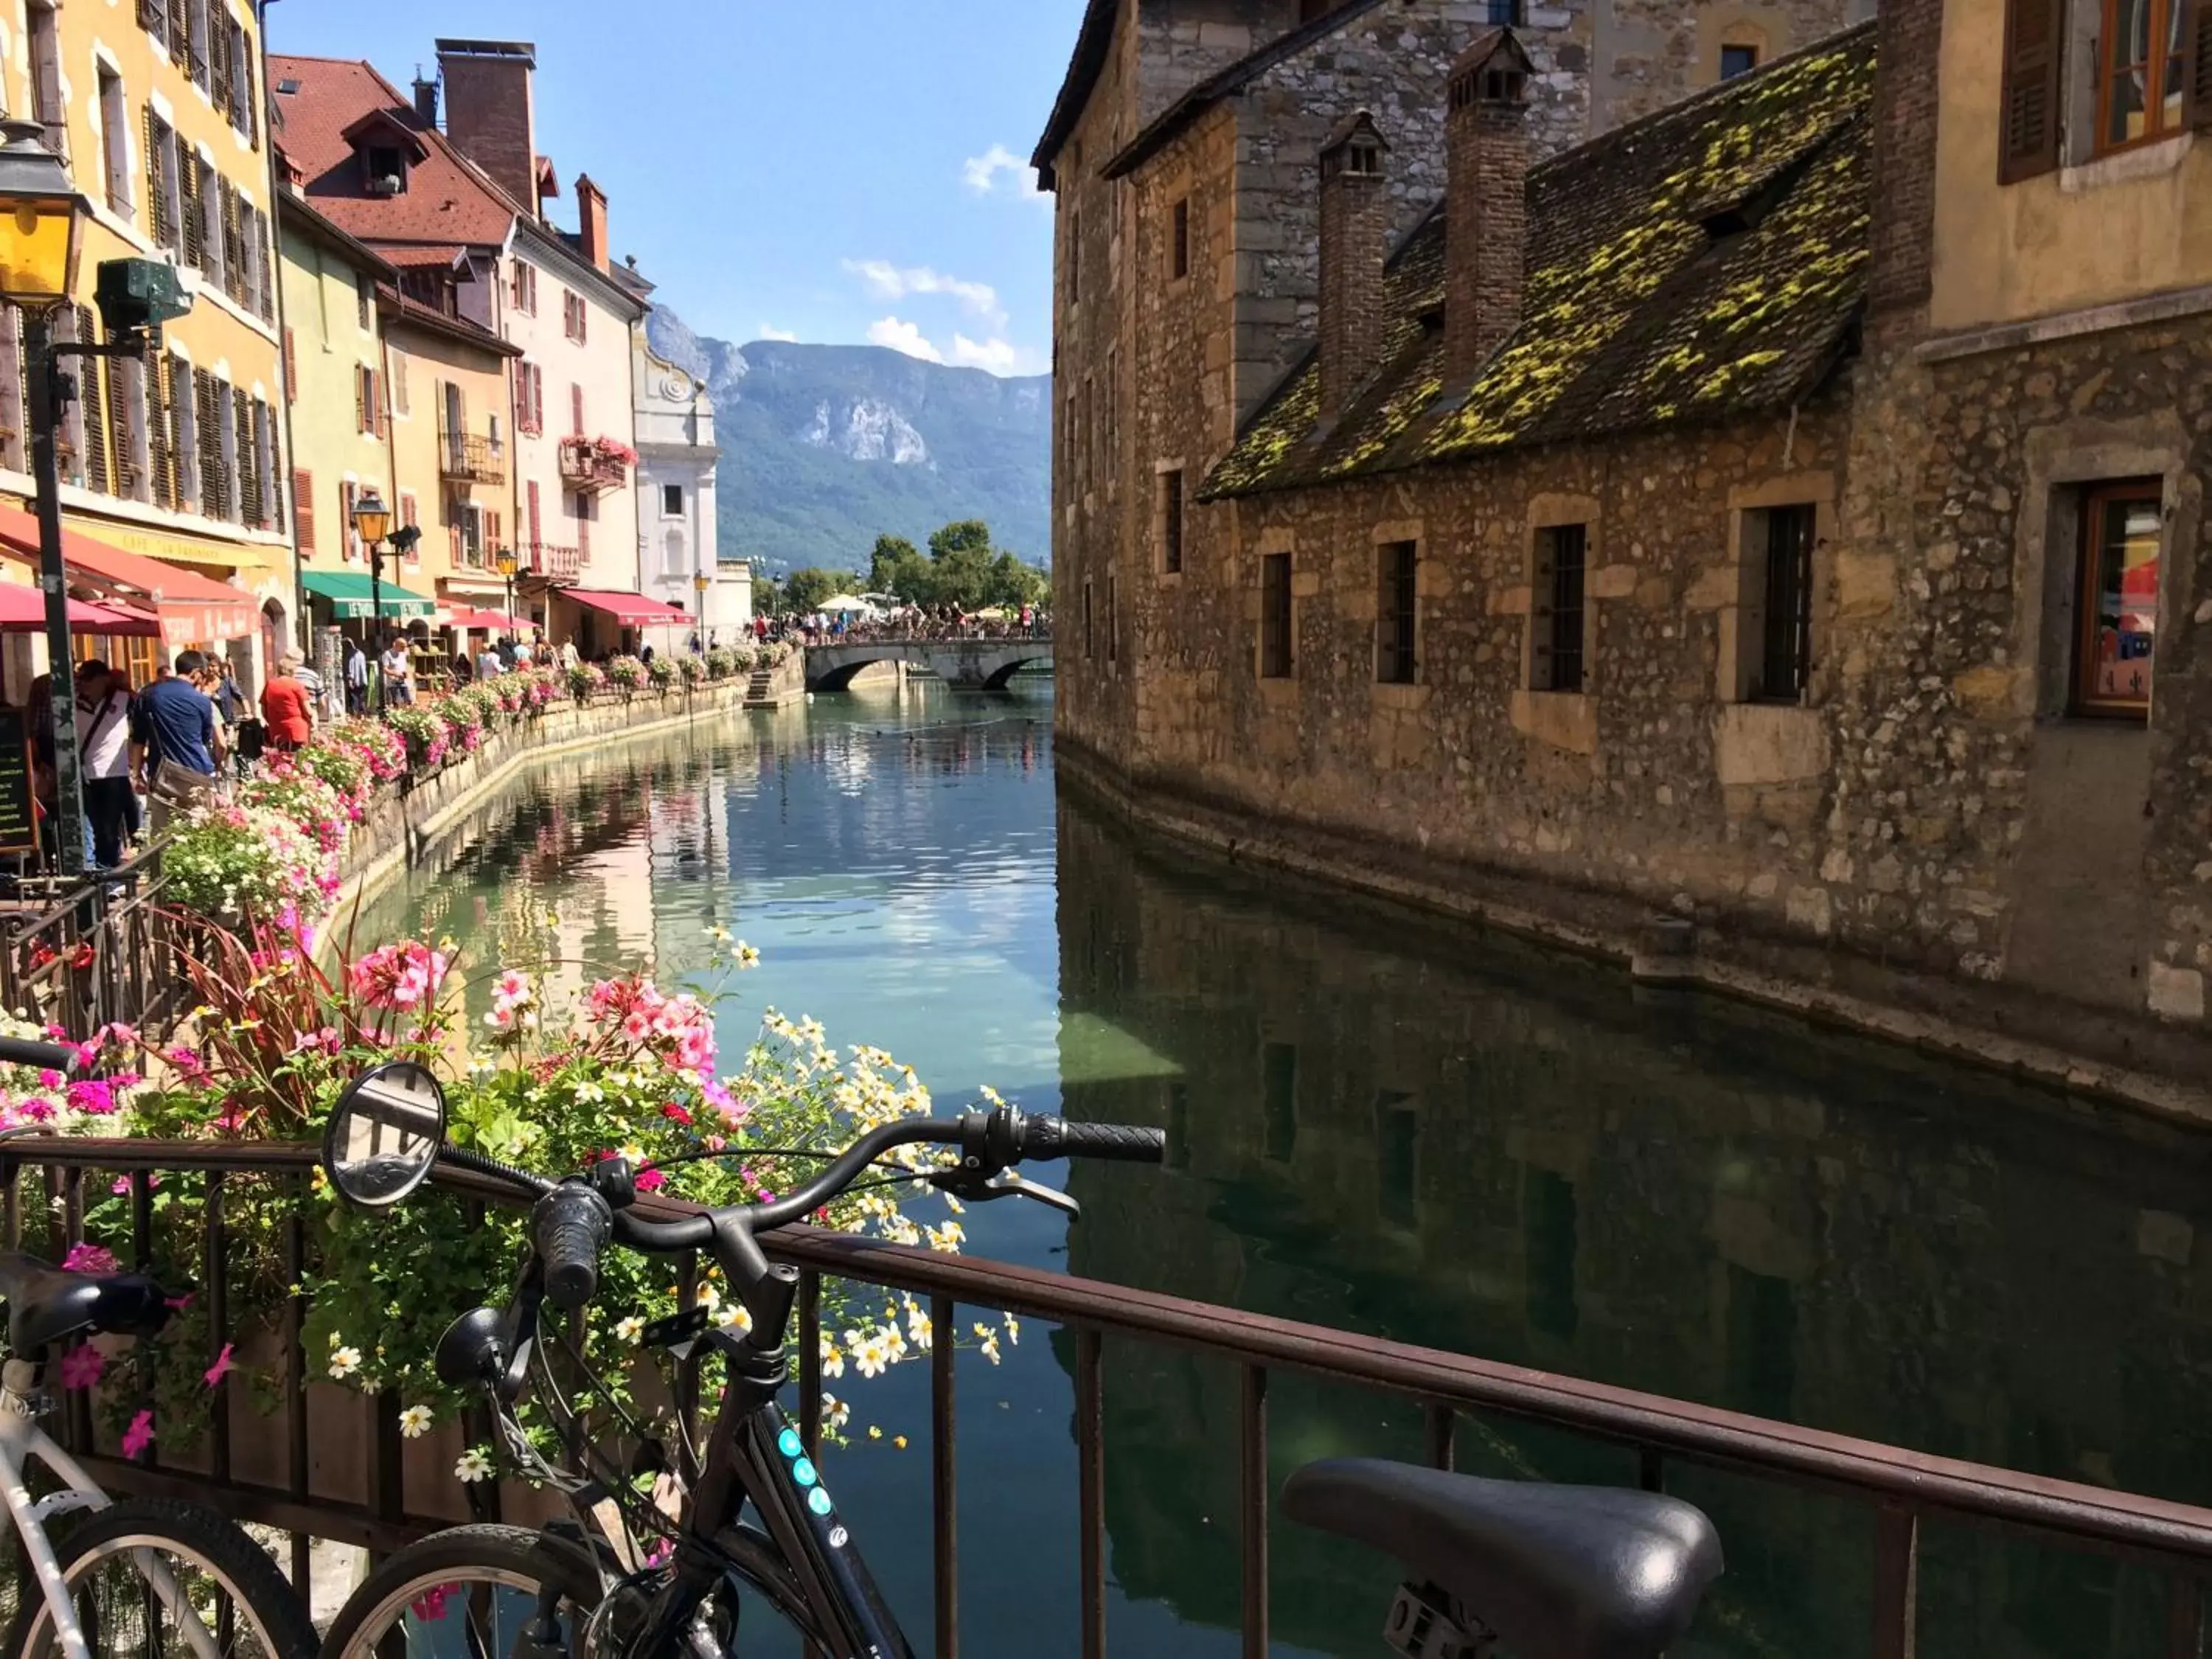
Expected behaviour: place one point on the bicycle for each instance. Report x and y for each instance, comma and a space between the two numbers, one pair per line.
111, 1584
1558, 1572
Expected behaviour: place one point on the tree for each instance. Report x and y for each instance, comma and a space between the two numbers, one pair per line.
805, 590
1013, 584
896, 567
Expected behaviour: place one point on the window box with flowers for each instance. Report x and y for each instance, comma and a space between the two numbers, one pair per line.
595, 465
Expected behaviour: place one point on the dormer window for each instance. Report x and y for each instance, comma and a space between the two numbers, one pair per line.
387, 170
385, 147
1364, 160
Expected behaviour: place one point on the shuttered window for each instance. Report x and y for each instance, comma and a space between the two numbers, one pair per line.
303, 506
70, 440
126, 426
184, 435
291, 370
2035, 33
15, 427
212, 405
92, 413
161, 439
249, 457
1274, 616
1555, 656
191, 218
1394, 614
536, 525
47, 106
576, 408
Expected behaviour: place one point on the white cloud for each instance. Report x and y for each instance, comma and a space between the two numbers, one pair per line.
903, 337
889, 281
999, 356
771, 331
981, 173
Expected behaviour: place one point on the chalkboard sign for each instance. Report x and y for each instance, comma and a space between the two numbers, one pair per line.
18, 826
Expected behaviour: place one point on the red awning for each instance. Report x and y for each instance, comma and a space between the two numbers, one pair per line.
23, 611
631, 610
494, 621
191, 609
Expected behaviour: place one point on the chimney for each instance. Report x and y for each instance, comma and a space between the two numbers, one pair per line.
489, 117
1486, 201
591, 220
426, 98
1355, 221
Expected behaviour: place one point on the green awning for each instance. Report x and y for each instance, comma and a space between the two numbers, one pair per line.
349, 594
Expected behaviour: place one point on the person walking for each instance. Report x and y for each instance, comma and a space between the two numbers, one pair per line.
175, 724
356, 678
397, 668
286, 708
103, 745
488, 667
569, 658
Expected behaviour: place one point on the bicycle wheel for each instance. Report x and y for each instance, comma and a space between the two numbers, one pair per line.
143, 1571
467, 1592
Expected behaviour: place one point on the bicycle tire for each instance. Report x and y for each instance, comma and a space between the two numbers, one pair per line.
211, 1544
512, 1558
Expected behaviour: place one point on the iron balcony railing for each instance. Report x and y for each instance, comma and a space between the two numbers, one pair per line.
1903, 1491
102, 950
586, 467
470, 458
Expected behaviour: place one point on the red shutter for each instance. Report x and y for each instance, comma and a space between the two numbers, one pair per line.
583, 321
576, 407
536, 531
303, 508
383, 395
2028, 133
360, 399
583, 526
2197, 69
291, 371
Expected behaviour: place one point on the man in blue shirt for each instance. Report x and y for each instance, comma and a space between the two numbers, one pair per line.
176, 723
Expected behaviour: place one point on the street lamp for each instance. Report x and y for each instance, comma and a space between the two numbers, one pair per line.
373, 520
506, 562
41, 228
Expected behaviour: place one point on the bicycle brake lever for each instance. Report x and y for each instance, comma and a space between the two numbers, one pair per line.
971, 1187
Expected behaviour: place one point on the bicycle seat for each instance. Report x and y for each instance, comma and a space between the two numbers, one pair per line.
1569, 1572
47, 1305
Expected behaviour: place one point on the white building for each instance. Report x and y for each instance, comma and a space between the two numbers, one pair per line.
675, 518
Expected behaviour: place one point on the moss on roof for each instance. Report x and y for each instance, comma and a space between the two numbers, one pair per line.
1702, 263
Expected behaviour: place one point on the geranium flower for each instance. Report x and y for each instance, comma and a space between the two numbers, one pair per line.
223, 1366
88, 1259
82, 1367
139, 1435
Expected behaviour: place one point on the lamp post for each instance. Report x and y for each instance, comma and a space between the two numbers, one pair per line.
41, 226
373, 520
506, 562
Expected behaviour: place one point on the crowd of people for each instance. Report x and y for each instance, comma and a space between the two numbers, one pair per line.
906, 622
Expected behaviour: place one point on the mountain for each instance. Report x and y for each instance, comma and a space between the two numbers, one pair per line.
826, 447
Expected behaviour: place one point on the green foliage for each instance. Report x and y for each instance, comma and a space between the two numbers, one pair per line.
805, 590
962, 568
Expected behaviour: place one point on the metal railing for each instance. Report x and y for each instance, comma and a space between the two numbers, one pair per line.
586, 467
103, 950
470, 458
1904, 1490
553, 562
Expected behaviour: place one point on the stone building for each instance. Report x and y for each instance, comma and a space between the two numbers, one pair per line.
1769, 513
676, 460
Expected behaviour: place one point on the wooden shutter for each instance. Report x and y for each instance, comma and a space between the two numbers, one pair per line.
190, 218
15, 428
583, 526
291, 370
180, 30
2197, 63
249, 469
159, 453
360, 399
303, 506
157, 191
122, 452
219, 60
380, 401
207, 412
92, 392
2034, 42
233, 242
536, 526
184, 455
576, 407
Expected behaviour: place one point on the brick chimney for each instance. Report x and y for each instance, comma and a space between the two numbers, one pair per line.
1355, 223
489, 115
1486, 201
426, 98
591, 220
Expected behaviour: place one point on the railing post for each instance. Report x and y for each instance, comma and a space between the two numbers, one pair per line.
810, 1362
1090, 1489
1252, 1507
1896, 1582
2185, 1617
218, 1295
295, 1382
1441, 1423
944, 1485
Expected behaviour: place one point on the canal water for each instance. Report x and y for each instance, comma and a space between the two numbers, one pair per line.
1393, 1126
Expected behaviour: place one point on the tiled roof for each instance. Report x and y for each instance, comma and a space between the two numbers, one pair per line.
447, 201
1162, 130
414, 256
1700, 264
396, 308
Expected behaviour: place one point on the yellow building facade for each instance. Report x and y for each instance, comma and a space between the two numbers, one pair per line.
158, 109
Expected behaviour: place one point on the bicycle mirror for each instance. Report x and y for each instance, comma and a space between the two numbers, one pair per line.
385, 1133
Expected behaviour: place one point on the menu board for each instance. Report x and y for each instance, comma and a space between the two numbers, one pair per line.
18, 826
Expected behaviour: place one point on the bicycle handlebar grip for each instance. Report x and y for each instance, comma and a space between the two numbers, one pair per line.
570, 1226
1053, 1137
62, 1057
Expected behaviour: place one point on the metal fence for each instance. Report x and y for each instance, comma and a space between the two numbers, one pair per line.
101, 951
1904, 1490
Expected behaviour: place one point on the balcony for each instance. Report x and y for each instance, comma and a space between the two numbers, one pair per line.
464, 458
591, 467
555, 564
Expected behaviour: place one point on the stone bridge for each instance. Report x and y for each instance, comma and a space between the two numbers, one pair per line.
963, 664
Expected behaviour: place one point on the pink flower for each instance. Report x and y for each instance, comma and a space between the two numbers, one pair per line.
88, 1259
676, 1113
82, 1367
651, 1181
430, 1606
223, 1366
638, 1026
139, 1435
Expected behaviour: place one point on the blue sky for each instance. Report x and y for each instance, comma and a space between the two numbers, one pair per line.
831, 170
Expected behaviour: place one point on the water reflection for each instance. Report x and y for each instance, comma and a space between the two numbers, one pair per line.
1398, 1128
1417, 1132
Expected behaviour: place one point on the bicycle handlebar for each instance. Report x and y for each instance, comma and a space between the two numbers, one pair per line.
568, 1228
62, 1057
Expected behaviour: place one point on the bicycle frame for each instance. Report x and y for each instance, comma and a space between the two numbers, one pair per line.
21, 1442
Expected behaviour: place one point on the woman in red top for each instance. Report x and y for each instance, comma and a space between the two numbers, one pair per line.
287, 710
